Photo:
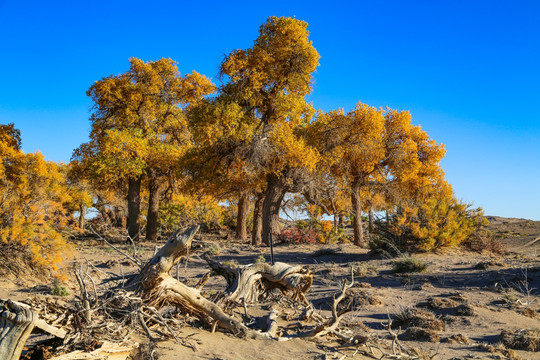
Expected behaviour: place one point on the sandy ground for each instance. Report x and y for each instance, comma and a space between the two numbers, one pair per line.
498, 292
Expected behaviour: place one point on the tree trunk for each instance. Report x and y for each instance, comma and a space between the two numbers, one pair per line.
341, 220
357, 212
134, 207
370, 220
120, 219
82, 214
241, 218
271, 206
154, 194
256, 233
16, 324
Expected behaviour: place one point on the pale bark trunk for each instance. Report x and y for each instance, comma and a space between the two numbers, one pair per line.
271, 206
370, 220
154, 194
134, 207
357, 212
256, 233
241, 218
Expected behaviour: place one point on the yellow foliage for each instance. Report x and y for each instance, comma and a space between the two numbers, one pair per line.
183, 210
33, 212
435, 219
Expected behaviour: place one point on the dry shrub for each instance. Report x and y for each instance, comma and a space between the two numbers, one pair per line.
144, 352
21, 264
440, 303
409, 265
528, 312
356, 299
524, 339
483, 241
414, 317
465, 310
421, 334
458, 339
499, 348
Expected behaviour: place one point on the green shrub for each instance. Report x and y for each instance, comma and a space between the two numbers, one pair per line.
409, 265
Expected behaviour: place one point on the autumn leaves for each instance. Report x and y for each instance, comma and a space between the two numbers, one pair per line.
157, 134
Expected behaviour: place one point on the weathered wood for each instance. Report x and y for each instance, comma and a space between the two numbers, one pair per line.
158, 288
248, 282
107, 351
16, 324
40, 324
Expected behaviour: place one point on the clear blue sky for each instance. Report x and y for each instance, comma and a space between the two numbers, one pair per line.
469, 72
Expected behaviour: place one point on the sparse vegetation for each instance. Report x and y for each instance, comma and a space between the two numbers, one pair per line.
409, 265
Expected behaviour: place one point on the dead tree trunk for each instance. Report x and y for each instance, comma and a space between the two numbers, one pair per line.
158, 288
16, 324
241, 219
248, 283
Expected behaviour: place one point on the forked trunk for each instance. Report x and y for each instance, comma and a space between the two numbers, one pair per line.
271, 206
134, 207
241, 218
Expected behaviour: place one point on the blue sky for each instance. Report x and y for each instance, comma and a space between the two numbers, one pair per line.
467, 70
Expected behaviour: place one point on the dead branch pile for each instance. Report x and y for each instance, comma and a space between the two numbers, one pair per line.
154, 303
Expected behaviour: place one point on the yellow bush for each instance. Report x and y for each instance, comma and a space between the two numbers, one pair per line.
33, 194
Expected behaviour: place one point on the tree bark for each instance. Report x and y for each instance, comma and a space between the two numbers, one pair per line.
241, 218
16, 324
134, 207
256, 233
154, 194
370, 220
271, 206
82, 214
357, 212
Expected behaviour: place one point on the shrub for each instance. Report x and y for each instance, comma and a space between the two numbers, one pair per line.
433, 219
33, 212
295, 235
409, 265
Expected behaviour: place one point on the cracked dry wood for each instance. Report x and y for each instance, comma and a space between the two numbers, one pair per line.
247, 282
16, 324
158, 288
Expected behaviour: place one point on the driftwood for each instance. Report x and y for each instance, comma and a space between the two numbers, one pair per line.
16, 324
17, 321
157, 288
247, 283
107, 351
